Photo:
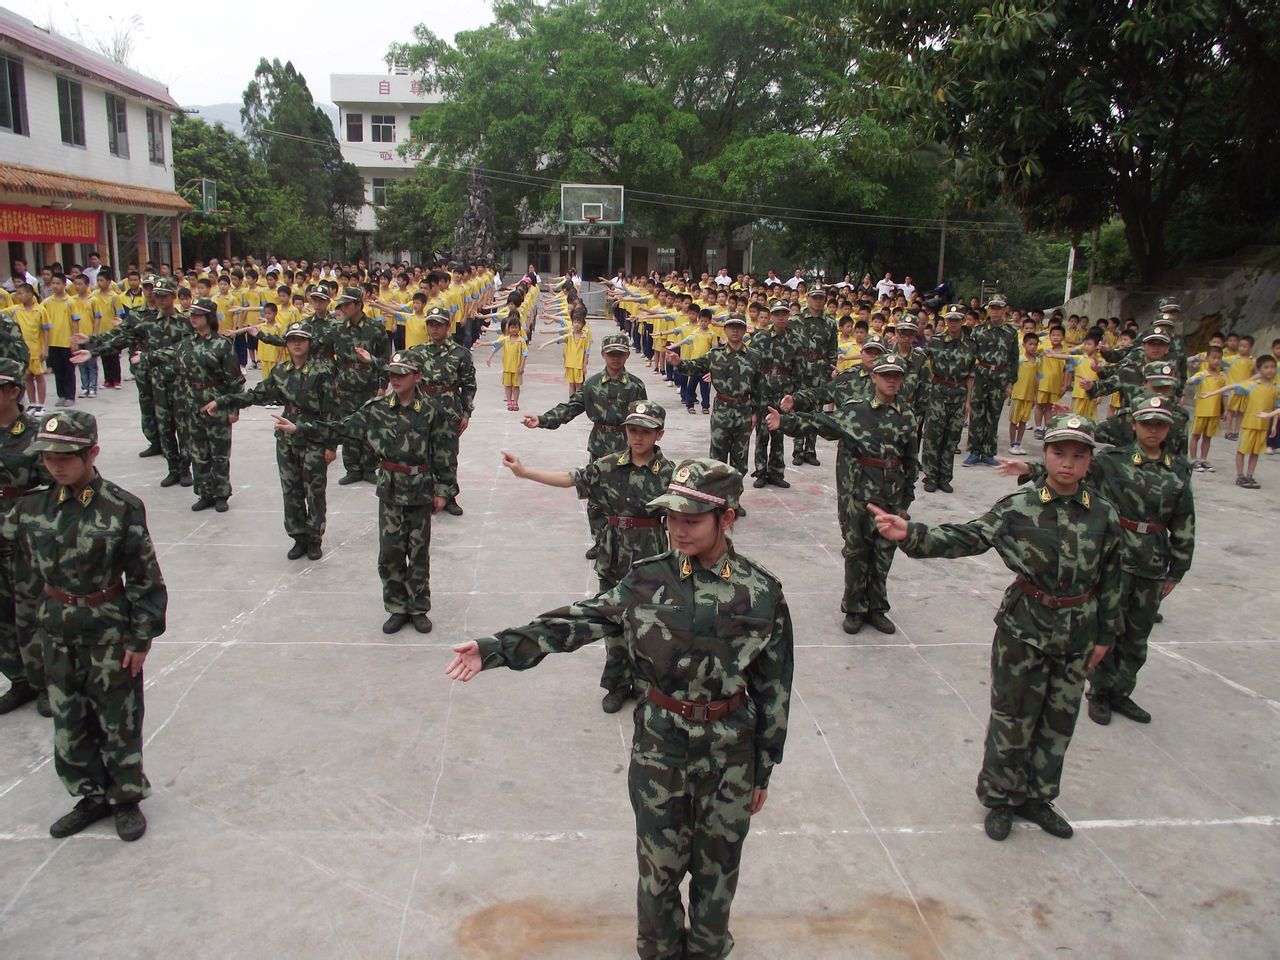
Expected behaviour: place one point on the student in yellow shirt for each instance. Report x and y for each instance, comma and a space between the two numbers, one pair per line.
515, 353
1022, 395
694, 346
33, 323
1262, 404
84, 320
1239, 369
108, 309
268, 354
1083, 368
577, 347
1052, 369
1208, 410
57, 307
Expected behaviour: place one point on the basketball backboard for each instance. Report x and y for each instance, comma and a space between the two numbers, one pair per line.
583, 203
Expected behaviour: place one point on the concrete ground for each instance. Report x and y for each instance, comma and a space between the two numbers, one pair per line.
321, 790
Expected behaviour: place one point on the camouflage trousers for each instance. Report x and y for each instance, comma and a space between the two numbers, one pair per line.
769, 461
444, 452
147, 404
601, 442
357, 457
984, 416
687, 824
731, 437
404, 556
944, 422
208, 442
97, 721
1035, 699
21, 656
867, 559
303, 479
1117, 674
170, 411
618, 672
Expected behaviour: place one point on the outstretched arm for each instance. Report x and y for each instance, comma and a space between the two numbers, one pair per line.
551, 478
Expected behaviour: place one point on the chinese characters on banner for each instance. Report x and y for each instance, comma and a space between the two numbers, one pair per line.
42, 225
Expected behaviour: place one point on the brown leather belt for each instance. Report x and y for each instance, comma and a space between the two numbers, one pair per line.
1142, 527
349, 364
634, 523
816, 357
610, 426
949, 383
204, 386
290, 410
1049, 600
892, 463
411, 470
779, 371
11, 493
731, 398
698, 712
95, 599
431, 388
991, 366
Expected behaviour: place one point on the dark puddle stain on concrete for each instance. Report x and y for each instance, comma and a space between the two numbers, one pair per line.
884, 926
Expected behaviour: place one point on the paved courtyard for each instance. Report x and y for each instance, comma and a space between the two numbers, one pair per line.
321, 790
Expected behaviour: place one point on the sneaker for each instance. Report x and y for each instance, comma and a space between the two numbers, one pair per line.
692, 410
394, 623
1016, 449
1249, 483
84, 394
1130, 710
989, 461
87, 812
1206, 467
93, 393
614, 699
130, 823
999, 822
421, 622
971, 460
707, 411
1045, 817
881, 622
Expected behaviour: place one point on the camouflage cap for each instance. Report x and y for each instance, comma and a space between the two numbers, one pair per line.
403, 362
700, 486
166, 286
997, 300
615, 343
11, 371
873, 344
297, 329
1160, 374
909, 323
954, 311
1169, 305
645, 413
204, 305
890, 365
1164, 321
67, 432
735, 320
1153, 408
349, 295
149, 279
818, 292
319, 290
1155, 336
437, 315
1070, 426
779, 306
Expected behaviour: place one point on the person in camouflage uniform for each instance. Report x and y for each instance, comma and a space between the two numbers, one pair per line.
915, 388
397, 429
357, 382
1169, 313
21, 471
621, 486
731, 367
846, 387
1054, 624
995, 357
12, 344
1127, 376
951, 357
304, 388
205, 367
877, 462
778, 374
320, 325
87, 561
709, 632
1151, 491
604, 397
817, 343
1158, 379
449, 384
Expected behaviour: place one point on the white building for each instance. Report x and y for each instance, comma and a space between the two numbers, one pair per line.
86, 161
374, 114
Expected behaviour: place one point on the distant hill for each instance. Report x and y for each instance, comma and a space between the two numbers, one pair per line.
228, 115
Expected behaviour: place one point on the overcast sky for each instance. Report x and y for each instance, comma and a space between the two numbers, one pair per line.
210, 57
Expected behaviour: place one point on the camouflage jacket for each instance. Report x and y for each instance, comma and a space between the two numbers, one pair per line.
147, 333
951, 360
878, 458
778, 366
1065, 546
845, 387
733, 374
695, 634
995, 356
397, 433
448, 377
915, 386
318, 327
20, 471
1117, 429
618, 488
1124, 377
354, 376
1145, 491
817, 344
604, 400
83, 544
12, 344
305, 392
204, 367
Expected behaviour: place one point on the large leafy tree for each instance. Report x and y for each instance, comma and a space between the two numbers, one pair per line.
419, 214
1073, 109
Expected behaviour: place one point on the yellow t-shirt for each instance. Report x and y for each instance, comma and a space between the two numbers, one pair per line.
850, 354
83, 315
1024, 388
1206, 382
58, 311
575, 350
1082, 367
1262, 398
415, 328
1051, 372
269, 353
108, 307
31, 323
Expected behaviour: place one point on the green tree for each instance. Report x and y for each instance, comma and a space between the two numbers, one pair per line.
1072, 109
419, 213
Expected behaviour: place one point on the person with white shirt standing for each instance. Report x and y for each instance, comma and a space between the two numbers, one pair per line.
796, 280
885, 287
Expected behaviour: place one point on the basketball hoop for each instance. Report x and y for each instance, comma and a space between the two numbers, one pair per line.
592, 221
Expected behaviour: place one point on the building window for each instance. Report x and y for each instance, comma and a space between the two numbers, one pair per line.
540, 256
383, 128
117, 126
355, 128
155, 136
71, 111
379, 189
13, 96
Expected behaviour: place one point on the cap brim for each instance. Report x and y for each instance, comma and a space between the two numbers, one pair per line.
401, 368
1153, 415
1161, 381
734, 323
615, 348
640, 420
1078, 436
676, 503
297, 336
56, 446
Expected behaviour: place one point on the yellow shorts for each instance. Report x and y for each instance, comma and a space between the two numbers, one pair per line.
1205, 426
573, 375
510, 379
35, 367
1252, 441
1085, 406
1046, 396
1235, 403
1021, 411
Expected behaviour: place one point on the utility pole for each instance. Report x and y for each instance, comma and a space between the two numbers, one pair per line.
942, 245
1071, 266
